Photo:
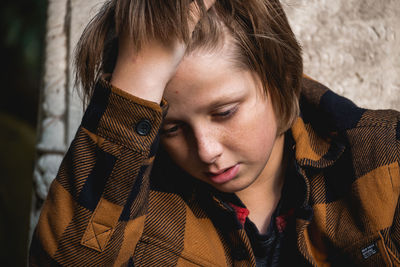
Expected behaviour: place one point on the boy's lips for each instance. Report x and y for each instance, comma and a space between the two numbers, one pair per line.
224, 175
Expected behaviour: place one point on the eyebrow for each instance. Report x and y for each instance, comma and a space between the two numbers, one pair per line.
223, 101
227, 99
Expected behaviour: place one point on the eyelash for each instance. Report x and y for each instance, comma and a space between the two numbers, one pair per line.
171, 131
221, 115
226, 114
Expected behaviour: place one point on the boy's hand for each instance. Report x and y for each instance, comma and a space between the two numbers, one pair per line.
145, 74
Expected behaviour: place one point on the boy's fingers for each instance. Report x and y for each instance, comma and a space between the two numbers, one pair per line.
195, 12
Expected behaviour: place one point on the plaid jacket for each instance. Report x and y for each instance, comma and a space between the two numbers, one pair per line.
115, 202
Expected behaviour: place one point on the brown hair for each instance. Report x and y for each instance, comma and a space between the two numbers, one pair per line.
260, 30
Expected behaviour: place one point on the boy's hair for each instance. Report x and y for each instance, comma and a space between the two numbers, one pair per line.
264, 40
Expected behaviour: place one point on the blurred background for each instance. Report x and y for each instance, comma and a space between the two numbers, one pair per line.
22, 30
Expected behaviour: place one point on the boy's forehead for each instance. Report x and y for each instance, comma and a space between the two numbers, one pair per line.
206, 78
208, 66
211, 87
210, 74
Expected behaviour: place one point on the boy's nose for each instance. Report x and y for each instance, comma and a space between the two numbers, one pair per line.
209, 147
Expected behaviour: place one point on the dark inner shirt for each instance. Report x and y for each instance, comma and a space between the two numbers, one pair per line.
266, 247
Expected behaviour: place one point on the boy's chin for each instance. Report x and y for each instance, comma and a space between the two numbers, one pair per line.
232, 186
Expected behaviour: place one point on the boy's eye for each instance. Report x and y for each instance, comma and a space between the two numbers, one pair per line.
170, 131
226, 113
223, 114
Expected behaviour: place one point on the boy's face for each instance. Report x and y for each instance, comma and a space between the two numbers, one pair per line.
220, 128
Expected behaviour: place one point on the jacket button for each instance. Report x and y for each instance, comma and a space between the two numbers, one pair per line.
143, 127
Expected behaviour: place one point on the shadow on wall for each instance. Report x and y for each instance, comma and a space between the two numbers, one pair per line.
22, 28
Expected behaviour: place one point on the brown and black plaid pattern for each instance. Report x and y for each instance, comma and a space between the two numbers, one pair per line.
350, 160
109, 206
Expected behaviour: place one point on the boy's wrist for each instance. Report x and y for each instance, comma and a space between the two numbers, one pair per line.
146, 73
141, 86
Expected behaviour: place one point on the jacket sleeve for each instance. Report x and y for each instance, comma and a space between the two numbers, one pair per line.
95, 209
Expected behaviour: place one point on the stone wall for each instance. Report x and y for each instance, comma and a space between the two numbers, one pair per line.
60, 106
353, 46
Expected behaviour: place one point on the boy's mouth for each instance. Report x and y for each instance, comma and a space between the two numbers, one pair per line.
224, 175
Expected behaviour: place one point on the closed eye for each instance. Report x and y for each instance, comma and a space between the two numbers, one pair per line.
170, 131
227, 113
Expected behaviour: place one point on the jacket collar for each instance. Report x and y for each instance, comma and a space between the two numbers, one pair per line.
319, 131
313, 150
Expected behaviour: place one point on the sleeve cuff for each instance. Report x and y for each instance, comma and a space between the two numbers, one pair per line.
123, 118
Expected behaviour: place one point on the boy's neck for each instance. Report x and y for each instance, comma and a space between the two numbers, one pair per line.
262, 197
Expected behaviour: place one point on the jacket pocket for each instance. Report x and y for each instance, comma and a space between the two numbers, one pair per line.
369, 251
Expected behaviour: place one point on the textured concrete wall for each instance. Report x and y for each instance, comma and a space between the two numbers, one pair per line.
353, 46
350, 45
60, 107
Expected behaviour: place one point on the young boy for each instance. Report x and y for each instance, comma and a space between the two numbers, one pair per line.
257, 165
